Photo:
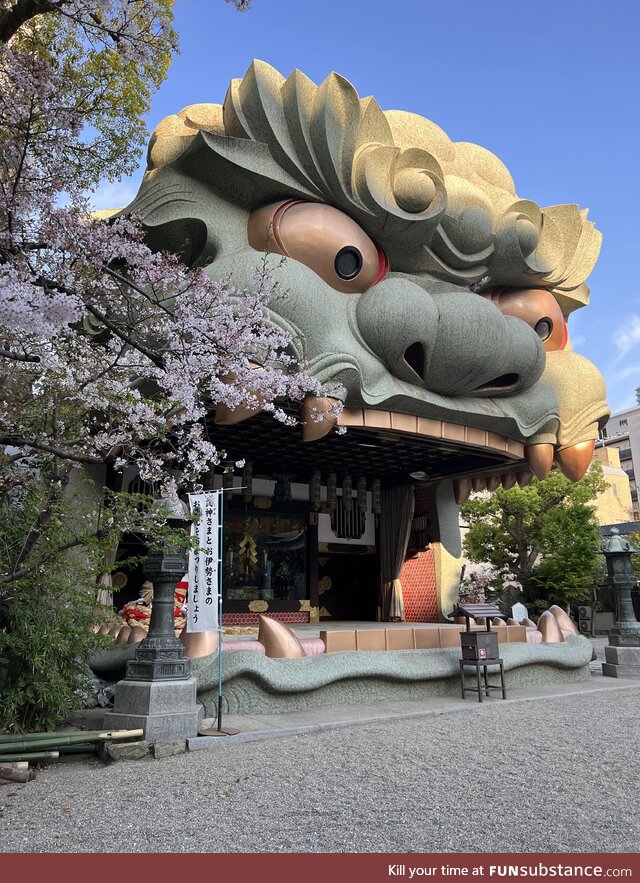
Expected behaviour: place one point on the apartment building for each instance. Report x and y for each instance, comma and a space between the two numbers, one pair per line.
614, 505
623, 433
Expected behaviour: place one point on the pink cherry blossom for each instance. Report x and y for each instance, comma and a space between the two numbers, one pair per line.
108, 351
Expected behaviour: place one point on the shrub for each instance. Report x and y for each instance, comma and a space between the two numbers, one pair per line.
44, 647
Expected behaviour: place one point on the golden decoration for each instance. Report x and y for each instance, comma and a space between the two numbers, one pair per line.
323, 547
258, 606
314, 614
119, 580
305, 605
247, 552
262, 502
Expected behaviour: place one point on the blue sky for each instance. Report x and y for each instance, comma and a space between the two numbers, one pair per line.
550, 87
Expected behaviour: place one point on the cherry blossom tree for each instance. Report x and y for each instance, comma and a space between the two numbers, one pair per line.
109, 353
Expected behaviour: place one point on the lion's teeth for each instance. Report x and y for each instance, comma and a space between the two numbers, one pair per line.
575, 460
540, 459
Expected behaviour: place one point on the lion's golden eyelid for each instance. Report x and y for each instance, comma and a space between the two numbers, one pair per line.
323, 238
538, 308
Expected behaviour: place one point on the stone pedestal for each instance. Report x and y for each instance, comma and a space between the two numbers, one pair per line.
158, 694
622, 662
165, 710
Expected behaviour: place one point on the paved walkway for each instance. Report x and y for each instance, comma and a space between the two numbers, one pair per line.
549, 769
518, 776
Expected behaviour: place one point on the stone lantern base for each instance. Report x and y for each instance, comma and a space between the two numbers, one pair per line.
621, 662
165, 710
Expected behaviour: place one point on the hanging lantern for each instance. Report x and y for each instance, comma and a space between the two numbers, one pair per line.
362, 494
315, 484
227, 480
282, 489
332, 495
376, 496
347, 493
247, 481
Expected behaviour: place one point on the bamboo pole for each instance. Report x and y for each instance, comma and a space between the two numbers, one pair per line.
35, 755
80, 748
89, 735
54, 740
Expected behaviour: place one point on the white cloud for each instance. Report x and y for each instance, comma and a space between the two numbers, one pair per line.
627, 336
625, 373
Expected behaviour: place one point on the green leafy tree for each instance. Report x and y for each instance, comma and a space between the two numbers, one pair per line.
634, 539
111, 55
48, 608
545, 536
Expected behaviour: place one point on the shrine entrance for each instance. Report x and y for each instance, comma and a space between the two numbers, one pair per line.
347, 586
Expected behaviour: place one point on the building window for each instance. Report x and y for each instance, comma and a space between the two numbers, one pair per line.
348, 524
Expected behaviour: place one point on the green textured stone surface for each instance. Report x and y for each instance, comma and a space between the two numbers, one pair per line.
255, 684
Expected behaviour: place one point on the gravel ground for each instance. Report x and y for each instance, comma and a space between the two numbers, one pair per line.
557, 775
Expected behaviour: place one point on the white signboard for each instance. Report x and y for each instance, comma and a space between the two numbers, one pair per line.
519, 612
202, 609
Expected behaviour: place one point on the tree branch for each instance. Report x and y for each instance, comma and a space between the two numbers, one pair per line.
132, 285
19, 442
136, 345
35, 532
533, 554
8, 578
17, 357
51, 285
11, 20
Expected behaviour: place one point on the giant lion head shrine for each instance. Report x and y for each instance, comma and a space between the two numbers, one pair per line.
435, 305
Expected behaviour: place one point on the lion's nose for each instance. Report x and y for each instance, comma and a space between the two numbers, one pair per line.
454, 344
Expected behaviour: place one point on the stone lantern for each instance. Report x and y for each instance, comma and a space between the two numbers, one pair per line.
623, 652
158, 693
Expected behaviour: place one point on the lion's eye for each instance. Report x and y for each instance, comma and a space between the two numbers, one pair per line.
544, 328
538, 308
348, 262
324, 239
